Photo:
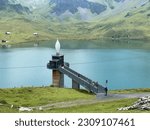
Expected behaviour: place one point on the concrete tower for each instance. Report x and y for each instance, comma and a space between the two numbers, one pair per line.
54, 64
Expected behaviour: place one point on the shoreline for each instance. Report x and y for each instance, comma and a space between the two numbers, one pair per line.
116, 91
77, 39
50, 99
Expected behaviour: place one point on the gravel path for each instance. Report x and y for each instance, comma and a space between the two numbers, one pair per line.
99, 98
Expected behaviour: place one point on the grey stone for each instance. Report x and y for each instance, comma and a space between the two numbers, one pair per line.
143, 103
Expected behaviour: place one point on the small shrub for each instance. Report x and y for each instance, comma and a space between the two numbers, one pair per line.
3, 102
148, 15
30, 90
51, 85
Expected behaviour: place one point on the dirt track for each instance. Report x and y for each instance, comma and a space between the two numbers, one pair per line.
99, 98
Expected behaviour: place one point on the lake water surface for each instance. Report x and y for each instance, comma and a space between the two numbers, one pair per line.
125, 64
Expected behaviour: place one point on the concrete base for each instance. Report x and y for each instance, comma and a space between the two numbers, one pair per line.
58, 79
75, 85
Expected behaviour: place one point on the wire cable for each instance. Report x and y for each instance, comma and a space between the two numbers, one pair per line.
21, 67
90, 62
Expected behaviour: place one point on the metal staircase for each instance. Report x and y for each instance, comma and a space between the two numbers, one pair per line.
87, 83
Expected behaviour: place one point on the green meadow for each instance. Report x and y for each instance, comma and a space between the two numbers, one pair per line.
38, 96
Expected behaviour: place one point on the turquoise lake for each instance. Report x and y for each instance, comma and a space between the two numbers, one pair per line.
126, 64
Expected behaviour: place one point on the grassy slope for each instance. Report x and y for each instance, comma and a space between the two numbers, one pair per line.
38, 96
107, 106
135, 26
46, 95
22, 30
103, 107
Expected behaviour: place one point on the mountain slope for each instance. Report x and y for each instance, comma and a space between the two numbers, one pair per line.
31, 4
129, 21
75, 19
61, 6
8, 6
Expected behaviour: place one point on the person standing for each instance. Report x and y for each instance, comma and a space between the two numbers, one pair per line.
106, 87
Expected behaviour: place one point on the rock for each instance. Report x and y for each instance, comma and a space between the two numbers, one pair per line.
22, 109
143, 98
119, 109
143, 103
12, 106
40, 108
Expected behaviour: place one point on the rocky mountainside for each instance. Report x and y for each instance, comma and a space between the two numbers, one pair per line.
61, 6
31, 4
6, 5
73, 9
